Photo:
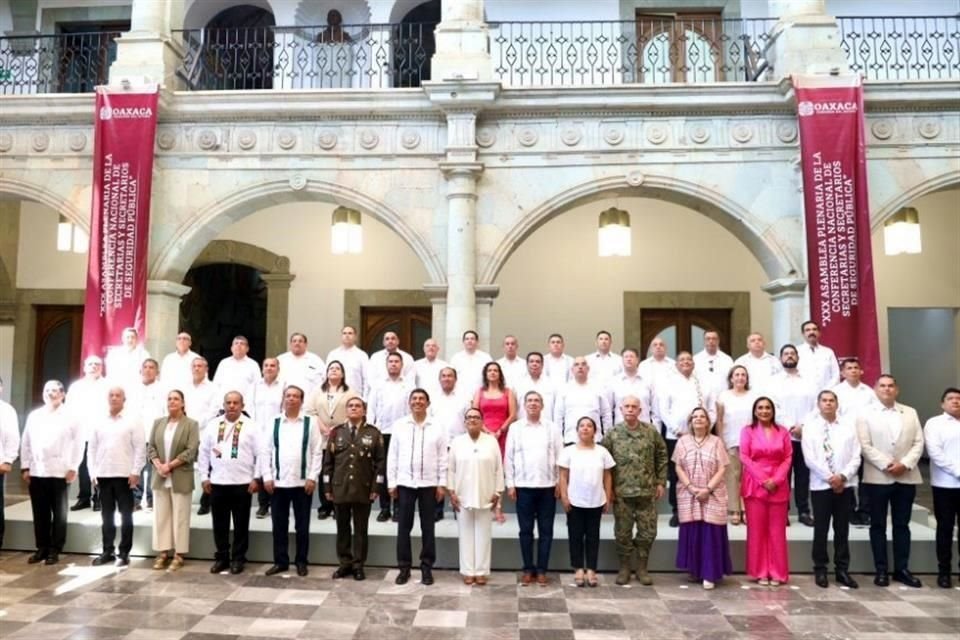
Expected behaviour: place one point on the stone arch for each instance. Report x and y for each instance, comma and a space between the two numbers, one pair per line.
195, 234
763, 243
936, 183
201, 12
29, 191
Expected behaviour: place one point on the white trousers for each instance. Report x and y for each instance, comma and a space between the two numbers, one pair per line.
475, 533
171, 520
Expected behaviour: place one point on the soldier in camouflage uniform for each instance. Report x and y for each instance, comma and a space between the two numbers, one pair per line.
354, 463
638, 482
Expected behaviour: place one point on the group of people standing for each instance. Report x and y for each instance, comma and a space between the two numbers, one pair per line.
722, 439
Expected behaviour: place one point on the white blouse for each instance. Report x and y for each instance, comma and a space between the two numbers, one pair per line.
475, 470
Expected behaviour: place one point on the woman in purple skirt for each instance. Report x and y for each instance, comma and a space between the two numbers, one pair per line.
702, 460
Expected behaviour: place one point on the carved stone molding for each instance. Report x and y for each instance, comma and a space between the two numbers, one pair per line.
929, 128
699, 133
40, 141
287, 139
742, 133
486, 137
571, 136
410, 139
77, 141
369, 139
613, 134
527, 136
882, 129
208, 140
326, 139
786, 132
166, 139
298, 182
247, 139
6, 142
657, 134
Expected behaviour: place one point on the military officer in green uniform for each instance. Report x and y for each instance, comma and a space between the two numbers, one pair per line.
639, 479
354, 463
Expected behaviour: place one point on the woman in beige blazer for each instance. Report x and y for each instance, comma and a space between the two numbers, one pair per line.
172, 450
329, 404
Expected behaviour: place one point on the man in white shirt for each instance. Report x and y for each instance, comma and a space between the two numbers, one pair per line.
229, 459
238, 372
416, 477
388, 403
302, 368
377, 367
124, 361
51, 449
832, 451
942, 436
578, 398
354, 360
117, 454
657, 369
891, 442
293, 456
557, 364
681, 394
267, 402
855, 397
712, 364
176, 368
146, 402
9, 448
86, 400
760, 364
536, 380
604, 364
530, 471
426, 370
469, 362
818, 363
795, 399
514, 367
202, 398
629, 383
448, 407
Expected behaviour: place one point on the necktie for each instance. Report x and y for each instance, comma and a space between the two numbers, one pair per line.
827, 449
353, 432
696, 384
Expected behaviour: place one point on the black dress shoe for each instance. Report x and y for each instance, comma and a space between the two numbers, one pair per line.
426, 576
806, 518
403, 577
53, 558
302, 570
358, 574
323, 514
343, 572
882, 579
274, 570
123, 559
907, 578
395, 517
674, 521
846, 580
944, 581
203, 510
96, 505
219, 566
821, 580
384, 515
860, 519
38, 556
263, 512
236, 568
438, 516
137, 507
80, 505
104, 558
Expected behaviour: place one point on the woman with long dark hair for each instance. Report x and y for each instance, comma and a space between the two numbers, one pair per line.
497, 402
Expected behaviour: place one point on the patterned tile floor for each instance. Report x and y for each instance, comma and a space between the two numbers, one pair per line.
76, 601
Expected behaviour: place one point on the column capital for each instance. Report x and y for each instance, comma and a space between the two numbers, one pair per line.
437, 292
278, 280
785, 288
486, 293
167, 288
461, 169
457, 96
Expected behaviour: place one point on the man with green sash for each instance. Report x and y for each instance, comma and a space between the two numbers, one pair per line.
294, 458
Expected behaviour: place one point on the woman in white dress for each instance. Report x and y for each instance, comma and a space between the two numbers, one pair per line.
734, 412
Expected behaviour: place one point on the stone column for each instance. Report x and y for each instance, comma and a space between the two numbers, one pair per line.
150, 52
163, 315
463, 44
485, 294
438, 303
461, 250
790, 310
807, 40
278, 310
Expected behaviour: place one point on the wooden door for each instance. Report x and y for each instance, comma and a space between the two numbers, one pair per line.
56, 354
683, 329
413, 325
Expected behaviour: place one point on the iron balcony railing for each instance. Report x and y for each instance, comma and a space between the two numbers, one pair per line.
654, 50
62, 63
902, 47
366, 56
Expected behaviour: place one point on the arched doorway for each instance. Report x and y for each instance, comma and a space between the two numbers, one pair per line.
236, 51
414, 44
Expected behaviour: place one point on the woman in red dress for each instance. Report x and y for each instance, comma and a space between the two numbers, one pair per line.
497, 402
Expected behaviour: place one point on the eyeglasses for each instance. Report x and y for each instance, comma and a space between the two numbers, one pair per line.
473, 418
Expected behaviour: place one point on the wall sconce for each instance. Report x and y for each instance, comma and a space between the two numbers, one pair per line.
347, 234
70, 237
901, 232
613, 233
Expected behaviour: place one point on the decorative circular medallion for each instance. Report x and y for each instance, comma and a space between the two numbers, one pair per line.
166, 139
527, 136
929, 129
635, 178
410, 139
369, 139
6, 142
656, 134
326, 139
613, 136
742, 133
786, 132
286, 140
486, 137
40, 141
882, 129
207, 140
699, 133
298, 182
77, 141
571, 136
247, 139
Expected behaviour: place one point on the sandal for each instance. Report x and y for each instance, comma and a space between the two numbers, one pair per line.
468, 580
160, 563
578, 578
176, 563
480, 580
592, 580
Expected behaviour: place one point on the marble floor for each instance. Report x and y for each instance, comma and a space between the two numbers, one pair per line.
75, 601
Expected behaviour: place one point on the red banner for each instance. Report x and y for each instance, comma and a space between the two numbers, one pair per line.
839, 255
125, 124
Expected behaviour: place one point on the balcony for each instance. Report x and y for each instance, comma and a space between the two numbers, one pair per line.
648, 50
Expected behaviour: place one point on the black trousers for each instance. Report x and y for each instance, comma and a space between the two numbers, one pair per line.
116, 495
838, 506
87, 493
946, 508
231, 501
583, 531
899, 499
424, 500
280, 503
48, 499
861, 502
384, 492
3, 522
325, 505
801, 479
145, 484
352, 538
671, 470
263, 498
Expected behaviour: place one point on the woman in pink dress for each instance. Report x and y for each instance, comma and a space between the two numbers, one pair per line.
766, 455
497, 402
